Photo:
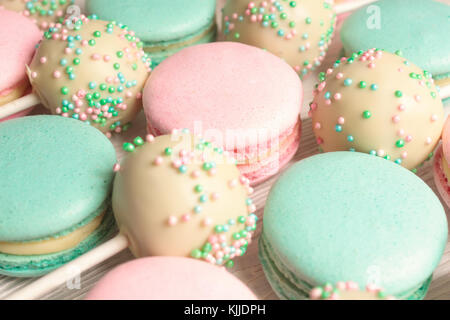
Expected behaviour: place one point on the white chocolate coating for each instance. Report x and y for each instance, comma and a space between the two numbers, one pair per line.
189, 201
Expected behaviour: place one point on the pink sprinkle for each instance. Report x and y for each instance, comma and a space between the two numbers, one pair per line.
401, 132
341, 285
315, 294
149, 138
317, 126
341, 120
328, 288
408, 138
212, 239
84, 43
434, 118
34, 75
186, 217
404, 155
212, 172
372, 287
207, 222
172, 221
328, 102
195, 174
339, 76
176, 163
381, 153
232, 183
338, 96
68, 50
116, 167
158, 161
401, 107
417, 98
396, 119
215, 196
400, 69
352, 285
43, 60
371, 65
56, 74
106, 58
96, 56
251, 208
250, 190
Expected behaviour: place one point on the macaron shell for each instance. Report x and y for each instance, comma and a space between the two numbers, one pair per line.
18, 39
297, 31
157, 21
56, 174
440, 179
420, 38
394, 232
379, 103
219, 86
169, 278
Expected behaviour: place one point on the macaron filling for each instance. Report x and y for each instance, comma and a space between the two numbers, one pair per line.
155, 47
54, 243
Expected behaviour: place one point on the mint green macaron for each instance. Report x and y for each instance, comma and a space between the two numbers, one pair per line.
419, 29
165, 27
347, 216
55, 179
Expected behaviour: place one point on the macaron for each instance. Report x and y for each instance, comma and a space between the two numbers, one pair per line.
418, 34
348, 291
378, 103
297, 31
179, 195
55, 187
169, 278
44, 13
164, 27
18, 39
350, 215
242, 98
91, 70
441, 168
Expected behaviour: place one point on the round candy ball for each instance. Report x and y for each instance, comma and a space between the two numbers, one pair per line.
177, 195
91, 70
297, 31
378, 103
45, 13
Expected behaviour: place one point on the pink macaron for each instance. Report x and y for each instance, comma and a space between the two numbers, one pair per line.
18, 39
242, 98
169, 278
441, 167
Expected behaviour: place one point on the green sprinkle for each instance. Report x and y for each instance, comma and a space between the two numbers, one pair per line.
367, 114
128, 147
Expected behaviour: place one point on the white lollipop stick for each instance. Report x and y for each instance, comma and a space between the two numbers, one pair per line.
351, 6
18, 105
61, 275
444, 92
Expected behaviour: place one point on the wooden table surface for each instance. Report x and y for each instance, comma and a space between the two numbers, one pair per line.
247, 267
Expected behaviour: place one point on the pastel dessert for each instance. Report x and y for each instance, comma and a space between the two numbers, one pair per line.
421, 39
297, 31
91, 70
164, 27
348, 291
441, 168
379, 103
242, 98
55, 187
350, 215
44, 13
18, 40
169, 278
178, 195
